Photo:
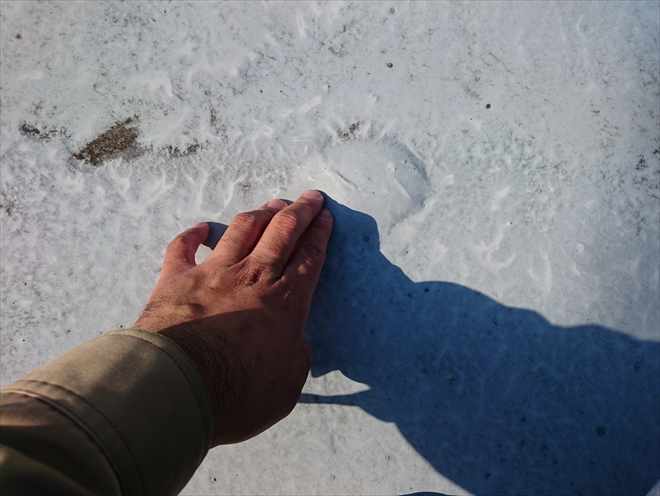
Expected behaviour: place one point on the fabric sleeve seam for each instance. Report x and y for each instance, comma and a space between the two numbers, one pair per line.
81, 421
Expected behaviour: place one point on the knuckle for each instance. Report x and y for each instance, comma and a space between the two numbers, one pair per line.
308, 268
293, 297
276, 246
245, 220
286, 221
252, 274
184, 237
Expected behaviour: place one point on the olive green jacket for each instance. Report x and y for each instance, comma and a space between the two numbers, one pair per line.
125, 413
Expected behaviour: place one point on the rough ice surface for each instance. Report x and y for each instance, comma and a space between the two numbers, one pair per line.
488, 319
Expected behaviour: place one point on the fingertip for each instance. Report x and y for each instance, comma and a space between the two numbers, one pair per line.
312, 194
180, 252
191, 234
202, 226
202, 229
276, 204
324, 214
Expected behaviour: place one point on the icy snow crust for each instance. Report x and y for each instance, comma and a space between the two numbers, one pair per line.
488, 319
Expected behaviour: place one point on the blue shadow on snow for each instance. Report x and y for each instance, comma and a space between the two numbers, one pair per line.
497, 399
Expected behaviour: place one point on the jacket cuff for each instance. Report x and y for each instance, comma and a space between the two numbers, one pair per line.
140, 398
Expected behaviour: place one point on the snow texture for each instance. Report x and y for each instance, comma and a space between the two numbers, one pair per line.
488, 320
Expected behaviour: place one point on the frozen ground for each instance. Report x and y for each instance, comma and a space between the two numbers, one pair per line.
488, 320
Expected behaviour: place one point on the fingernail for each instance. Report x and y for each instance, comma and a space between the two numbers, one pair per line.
199, 224
324, 214
276, 204
312, 194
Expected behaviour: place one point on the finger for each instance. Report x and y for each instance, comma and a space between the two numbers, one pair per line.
243, 234
282, 234
304, 266
180, 253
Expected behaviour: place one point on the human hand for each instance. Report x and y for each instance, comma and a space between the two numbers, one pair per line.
241, 313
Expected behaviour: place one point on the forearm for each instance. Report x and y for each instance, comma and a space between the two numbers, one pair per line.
126, 412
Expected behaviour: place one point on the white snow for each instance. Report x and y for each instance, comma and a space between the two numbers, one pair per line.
507, 152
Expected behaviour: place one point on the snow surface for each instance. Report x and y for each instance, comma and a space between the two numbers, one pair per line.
488, 320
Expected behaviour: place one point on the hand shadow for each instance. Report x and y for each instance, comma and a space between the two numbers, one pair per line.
496, 398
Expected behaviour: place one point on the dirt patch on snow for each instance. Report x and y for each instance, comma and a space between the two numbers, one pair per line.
119, 140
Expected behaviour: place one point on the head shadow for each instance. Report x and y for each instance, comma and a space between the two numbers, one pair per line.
496, 398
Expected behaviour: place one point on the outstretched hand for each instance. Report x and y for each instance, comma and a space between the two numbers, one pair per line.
241, 313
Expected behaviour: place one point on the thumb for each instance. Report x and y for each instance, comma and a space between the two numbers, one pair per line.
180, 253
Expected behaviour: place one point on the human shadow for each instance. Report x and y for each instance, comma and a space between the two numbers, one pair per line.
496, 398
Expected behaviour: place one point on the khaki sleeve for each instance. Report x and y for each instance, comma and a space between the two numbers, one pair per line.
125, 413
